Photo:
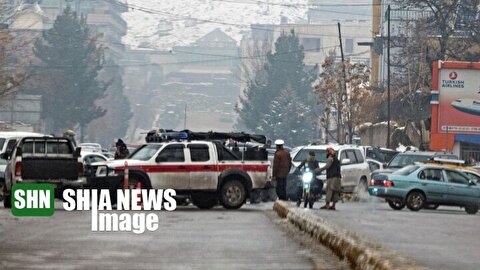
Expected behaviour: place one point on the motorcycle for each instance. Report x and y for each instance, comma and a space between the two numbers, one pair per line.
308, 196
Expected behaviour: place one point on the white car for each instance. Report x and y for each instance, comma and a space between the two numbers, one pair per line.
91, 147
92, 157
355, 170
374, 164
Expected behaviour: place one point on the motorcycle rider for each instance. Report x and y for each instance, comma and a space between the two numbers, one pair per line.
312, 164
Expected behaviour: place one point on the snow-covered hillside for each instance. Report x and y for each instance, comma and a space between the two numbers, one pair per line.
161, 24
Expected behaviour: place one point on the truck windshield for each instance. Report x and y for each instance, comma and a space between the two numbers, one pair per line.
146, 152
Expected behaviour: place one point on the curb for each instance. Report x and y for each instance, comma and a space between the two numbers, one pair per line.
361, 253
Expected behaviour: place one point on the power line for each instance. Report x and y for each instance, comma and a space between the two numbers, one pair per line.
174, 63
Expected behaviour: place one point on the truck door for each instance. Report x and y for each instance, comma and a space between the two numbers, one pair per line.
171, 169
203, 168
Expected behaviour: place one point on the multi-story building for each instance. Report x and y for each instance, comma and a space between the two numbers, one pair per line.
201, 86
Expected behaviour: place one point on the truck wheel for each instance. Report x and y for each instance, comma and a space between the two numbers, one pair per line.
396, 204
204, 200
232, 194
471, 209
415, 200
7, 198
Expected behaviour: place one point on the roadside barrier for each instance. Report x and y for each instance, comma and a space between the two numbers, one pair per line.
361, 253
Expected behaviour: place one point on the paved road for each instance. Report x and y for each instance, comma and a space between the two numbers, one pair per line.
188, 238
446, 238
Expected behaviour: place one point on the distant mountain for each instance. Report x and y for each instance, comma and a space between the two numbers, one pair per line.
161, 24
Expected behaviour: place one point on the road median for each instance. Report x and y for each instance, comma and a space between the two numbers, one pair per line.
360, 252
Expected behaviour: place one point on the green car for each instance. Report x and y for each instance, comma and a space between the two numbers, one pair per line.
426, 186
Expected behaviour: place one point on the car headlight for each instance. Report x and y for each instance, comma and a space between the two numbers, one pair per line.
307, 177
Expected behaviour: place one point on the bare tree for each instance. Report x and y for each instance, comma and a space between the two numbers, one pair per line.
330, 91
453, 26
10, 76
356, 106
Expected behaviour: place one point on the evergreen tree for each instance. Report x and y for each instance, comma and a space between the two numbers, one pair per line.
118, 110
283, 69
286, 118
72, 62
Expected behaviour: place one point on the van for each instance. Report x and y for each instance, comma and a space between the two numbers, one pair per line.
8, 139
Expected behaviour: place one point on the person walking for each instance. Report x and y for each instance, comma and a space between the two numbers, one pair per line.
334, 179
281, 167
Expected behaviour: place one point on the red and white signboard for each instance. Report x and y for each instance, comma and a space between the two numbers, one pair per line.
459, 101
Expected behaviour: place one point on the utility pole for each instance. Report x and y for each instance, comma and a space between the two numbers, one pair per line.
388, 77
344, 95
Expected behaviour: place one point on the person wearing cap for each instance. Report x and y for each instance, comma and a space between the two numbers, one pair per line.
282, 163
317, 185
334, 179
71, 135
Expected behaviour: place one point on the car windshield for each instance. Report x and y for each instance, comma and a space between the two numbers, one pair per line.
406, 170
401, 160
146, 152
302, 155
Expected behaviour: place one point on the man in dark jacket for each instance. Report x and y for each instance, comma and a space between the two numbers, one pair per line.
281, 167
334, 179
121, 151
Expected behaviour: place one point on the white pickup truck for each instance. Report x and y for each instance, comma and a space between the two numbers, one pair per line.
53, 160
206, 171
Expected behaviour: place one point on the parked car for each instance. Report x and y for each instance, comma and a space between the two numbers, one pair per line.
8, 139
416, 186
374, 164
472, 172
92, 157
354, 169
91, 147
383, 155
53, 160
410, 157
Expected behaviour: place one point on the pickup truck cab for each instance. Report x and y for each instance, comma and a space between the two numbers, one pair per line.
43, 160
206, 171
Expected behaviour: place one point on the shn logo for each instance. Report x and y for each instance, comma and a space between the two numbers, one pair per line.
33, 199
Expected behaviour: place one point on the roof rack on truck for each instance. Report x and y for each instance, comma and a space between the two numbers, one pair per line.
162, 135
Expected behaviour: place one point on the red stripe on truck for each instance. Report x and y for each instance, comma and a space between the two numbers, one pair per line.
196, 168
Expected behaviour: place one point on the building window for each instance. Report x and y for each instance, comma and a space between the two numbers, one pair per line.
311, 44
348, 45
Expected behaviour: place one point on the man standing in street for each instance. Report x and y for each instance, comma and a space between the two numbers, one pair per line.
334, 179
281, 167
